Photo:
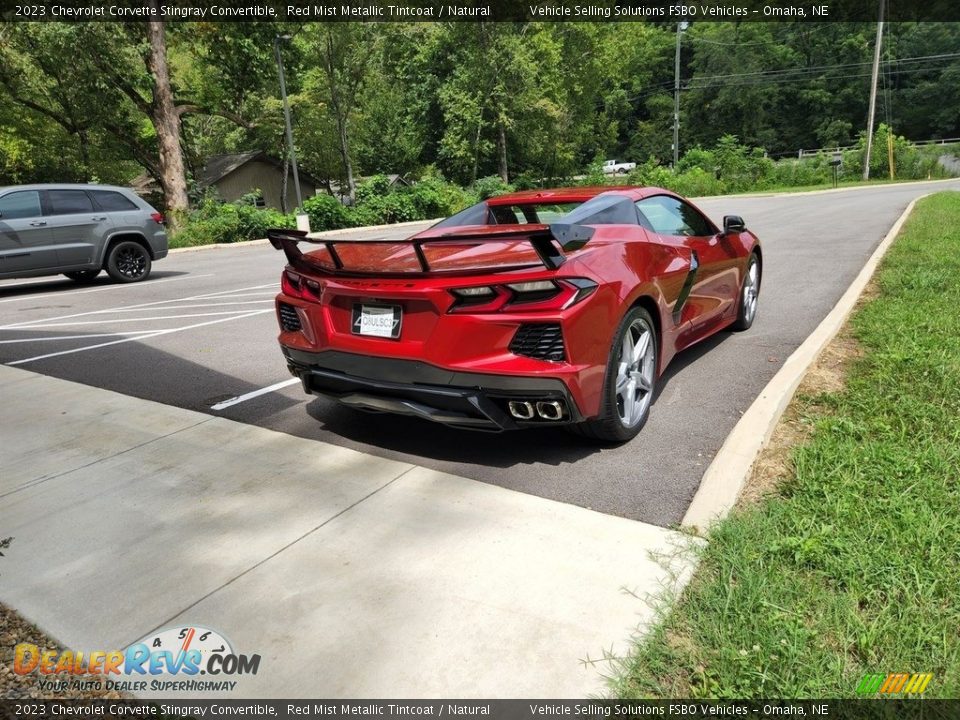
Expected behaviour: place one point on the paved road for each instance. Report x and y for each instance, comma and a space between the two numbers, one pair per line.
202, 332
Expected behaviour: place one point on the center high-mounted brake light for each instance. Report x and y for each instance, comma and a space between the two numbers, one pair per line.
523, 296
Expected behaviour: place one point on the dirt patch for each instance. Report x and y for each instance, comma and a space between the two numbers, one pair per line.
828, 374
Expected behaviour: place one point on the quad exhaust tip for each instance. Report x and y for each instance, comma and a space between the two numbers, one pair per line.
545, 409
550, 410
521, 409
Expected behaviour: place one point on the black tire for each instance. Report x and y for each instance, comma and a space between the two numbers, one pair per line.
83, 276
128, 261
609, 426
749, 295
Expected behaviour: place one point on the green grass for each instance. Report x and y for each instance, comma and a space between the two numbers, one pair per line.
854, 565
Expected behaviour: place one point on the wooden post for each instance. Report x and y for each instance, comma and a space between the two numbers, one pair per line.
893, 171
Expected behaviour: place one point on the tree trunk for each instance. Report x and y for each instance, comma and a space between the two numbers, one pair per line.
476, 150
502, 151
341, 112
166, 120
345, 155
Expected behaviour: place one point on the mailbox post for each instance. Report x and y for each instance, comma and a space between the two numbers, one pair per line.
836, 161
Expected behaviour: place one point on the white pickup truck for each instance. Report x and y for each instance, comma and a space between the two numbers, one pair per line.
614, 167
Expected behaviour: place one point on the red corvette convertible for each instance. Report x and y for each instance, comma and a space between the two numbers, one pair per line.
547, 307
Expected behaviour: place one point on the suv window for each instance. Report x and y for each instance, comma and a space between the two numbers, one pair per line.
110, 200
65, 202
670, 216
23, 204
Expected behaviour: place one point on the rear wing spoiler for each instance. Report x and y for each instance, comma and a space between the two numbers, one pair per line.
550, 242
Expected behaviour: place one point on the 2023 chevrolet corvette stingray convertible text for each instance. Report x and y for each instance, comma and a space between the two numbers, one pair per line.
548, 307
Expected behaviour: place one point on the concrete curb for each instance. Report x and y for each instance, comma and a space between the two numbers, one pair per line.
728, 473
827, 191
327, 233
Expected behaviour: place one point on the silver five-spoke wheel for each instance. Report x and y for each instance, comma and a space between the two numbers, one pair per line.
636, 372
751, 289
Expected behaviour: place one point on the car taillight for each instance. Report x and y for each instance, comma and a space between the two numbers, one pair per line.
522, 296
290, 284
158, 218
295, 285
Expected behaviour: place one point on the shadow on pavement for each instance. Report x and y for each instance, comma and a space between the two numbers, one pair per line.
55, 283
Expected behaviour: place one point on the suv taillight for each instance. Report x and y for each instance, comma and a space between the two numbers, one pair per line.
157, 218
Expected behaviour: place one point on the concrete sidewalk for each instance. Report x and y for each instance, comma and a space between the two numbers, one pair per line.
351, 575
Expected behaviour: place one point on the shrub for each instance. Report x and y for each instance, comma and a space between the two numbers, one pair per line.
435, 197
217, 222
328, 213
490, 186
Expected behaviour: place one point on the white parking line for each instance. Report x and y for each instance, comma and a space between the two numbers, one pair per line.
28, 323
199, 305
74, 337
138, 337
136, 319
256, 393
69, 293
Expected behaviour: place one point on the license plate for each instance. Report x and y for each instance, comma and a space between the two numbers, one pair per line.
377, 320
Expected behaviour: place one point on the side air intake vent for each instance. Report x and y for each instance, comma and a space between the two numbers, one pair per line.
289, 320
543, 341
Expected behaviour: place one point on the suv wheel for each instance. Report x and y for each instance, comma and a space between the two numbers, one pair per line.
82, 276
128, 261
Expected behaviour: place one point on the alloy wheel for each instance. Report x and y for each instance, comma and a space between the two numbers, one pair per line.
635, 372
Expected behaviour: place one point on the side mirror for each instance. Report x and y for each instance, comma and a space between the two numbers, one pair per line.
733, 224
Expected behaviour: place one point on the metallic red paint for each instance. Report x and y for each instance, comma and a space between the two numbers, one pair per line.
630, 265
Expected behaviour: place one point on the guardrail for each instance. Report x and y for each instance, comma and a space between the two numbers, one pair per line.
802, 153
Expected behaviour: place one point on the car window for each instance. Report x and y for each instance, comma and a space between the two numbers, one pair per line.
23, 204
506, 215
604, 209
65, 202
110, 200
474, 215
670, 216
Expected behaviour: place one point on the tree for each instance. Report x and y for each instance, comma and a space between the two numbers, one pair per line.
342, 52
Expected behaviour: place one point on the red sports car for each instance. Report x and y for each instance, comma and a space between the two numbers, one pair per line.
538, 308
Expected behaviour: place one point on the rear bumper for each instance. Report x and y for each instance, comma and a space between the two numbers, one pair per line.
475, 401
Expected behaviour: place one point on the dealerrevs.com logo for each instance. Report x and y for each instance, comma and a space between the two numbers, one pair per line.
169, 660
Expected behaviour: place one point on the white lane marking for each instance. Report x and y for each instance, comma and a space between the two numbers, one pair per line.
256, 393
74, 337
69, 293
27, 323
139, 337
199, 305
136, 319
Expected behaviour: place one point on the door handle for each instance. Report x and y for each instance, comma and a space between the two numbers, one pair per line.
38, 224
98, 218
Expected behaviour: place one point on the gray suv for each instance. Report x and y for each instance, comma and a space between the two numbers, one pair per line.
78, 230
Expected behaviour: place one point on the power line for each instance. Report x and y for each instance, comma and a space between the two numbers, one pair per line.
693, 38
816, 68
807, 78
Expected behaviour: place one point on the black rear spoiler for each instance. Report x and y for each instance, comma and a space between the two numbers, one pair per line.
549, 243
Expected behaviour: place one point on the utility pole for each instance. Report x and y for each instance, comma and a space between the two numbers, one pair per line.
286, 117
681, 26
873, 95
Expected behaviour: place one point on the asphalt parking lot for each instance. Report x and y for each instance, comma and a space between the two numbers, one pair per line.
200, 334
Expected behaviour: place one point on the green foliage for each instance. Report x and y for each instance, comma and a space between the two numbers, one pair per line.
217, 222
850, 565
328, 213
378, 204
490, 186
536, 102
